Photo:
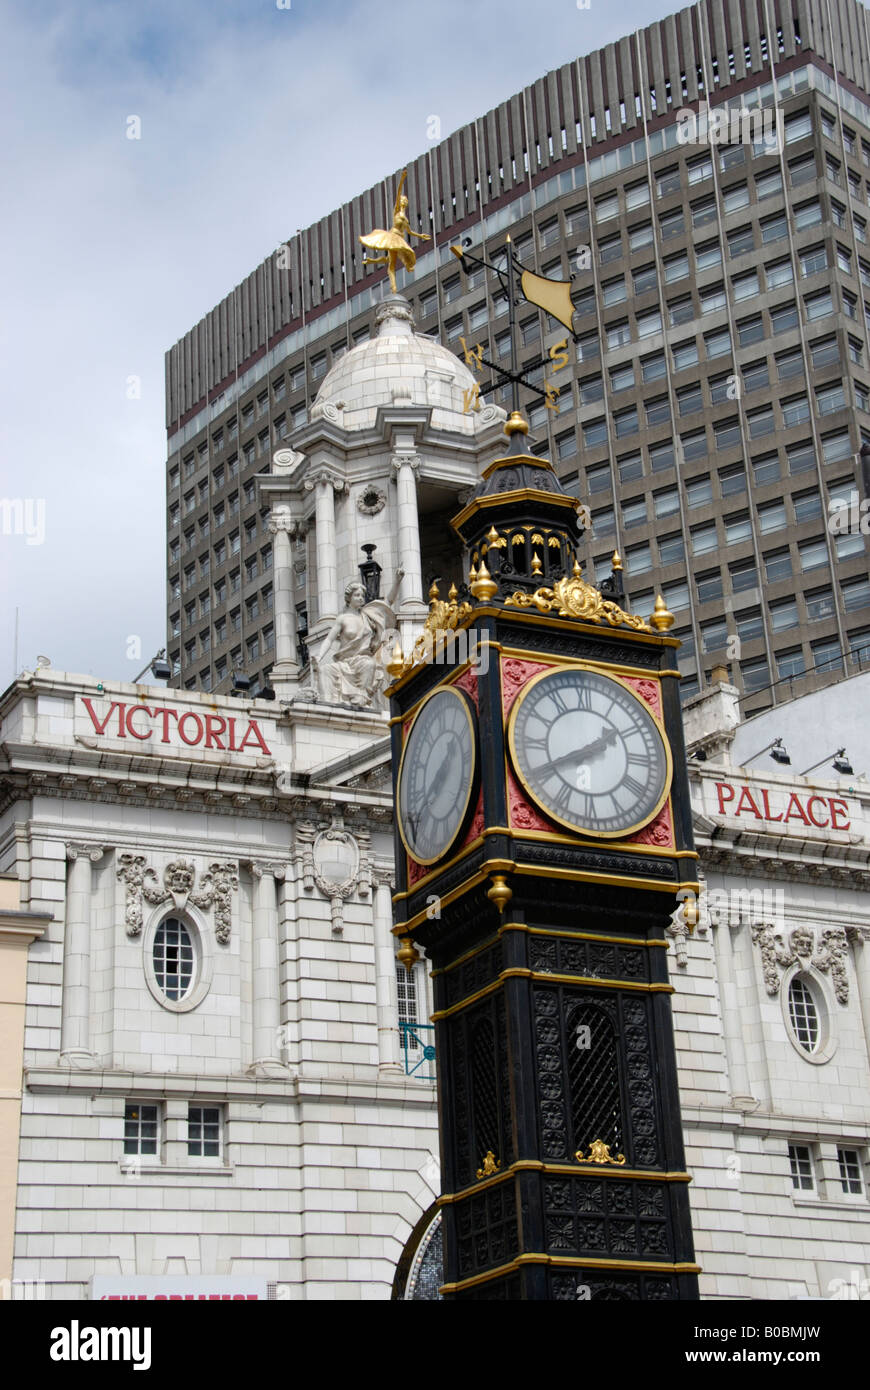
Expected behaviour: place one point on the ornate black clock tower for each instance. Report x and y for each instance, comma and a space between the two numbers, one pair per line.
543, 834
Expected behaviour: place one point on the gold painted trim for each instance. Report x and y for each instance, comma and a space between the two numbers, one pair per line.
511, 461
583, 830
522, 972
475, 951
536, 1165
466, 706
575, 625
521, 494
573, 1262
412, 710
607, 667
585, 936
439, 868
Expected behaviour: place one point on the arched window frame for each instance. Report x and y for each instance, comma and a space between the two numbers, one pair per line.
818, 988
203, 958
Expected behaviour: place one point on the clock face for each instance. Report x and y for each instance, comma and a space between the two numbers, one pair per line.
436, 775
589, 752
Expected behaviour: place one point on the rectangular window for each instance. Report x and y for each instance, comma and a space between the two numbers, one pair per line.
626, 422
621, 379
645, 279
750, 330
777, 565
744, 575
673, 224
732, 480
790, 663
801, 1165
639, 237
704, 539
820, 604
694, 445
203, 1131
784, 318
638, 559
658, 411
654, 368
618, 334
775, 228
634, 512
771, 517
661, 456
778, 274
610, 250
760, 422
849, 1163
733, 198
685, 354
140, 1128
714, 635
749, 624
588, 347
856, 594
630, 467
727, 433
818, 306
647, 324
672, 549
744, 286
718, 344
741, 242
830, 398
738, 528
807, 215
813, 554
676, 268
784, 615
795, 411
709, 586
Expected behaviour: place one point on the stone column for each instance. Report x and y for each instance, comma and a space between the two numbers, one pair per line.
324, 483
75, 1024
266, 979
283, 529
860, 939
389, 1043
411, 607
735, 1051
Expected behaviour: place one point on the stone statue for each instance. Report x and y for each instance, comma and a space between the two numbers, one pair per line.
349, 669
393, 241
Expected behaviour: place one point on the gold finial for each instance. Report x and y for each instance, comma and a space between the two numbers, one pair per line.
484, 586
577, 571
516, 424
453, 593
616, 561
407, 954
498, 893
661, 618
472, 573
492, 535
434, 591
393, 242
537, 567
396, 663
490, 1165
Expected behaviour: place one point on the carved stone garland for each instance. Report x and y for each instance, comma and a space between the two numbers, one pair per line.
776, 957
217, 886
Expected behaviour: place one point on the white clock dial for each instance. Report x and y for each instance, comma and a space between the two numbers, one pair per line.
436, 775
589, 752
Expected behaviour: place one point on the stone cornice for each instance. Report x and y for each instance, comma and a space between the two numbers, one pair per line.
390, 1089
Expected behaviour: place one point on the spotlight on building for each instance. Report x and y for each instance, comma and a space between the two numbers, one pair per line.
699, 755
158, 666
264, 692
775, 749
838, 761
241, 684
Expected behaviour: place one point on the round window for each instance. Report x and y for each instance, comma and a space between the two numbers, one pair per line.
806, 1012
173, 959
803, 1015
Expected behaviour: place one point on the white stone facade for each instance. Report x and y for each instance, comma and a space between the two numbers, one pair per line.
328, 1149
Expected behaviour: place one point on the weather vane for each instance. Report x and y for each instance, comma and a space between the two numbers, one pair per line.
553, 296
393, 241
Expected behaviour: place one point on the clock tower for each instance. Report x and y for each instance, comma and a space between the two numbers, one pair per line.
543, 843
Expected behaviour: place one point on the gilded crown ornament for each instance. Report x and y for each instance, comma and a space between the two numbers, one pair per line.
490, 1165
599, 1152
393, 242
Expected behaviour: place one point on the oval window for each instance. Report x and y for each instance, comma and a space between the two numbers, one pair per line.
173, 958
803, 1015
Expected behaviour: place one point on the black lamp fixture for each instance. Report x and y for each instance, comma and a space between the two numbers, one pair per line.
159, 667
839, 762
777, 751
370, 571
241, 684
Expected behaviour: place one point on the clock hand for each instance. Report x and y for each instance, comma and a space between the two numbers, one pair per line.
591, 750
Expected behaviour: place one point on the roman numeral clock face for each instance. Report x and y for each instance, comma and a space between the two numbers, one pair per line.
589, 752
436, 775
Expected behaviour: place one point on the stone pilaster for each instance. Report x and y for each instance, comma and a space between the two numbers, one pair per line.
75, 1027
266, 980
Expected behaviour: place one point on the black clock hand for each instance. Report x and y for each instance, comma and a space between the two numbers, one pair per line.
592, 750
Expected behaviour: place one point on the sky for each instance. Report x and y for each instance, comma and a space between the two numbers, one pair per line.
255, 117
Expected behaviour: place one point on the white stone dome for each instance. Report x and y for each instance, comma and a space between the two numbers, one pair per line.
400, 368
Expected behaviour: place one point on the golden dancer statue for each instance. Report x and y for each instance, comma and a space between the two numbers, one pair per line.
393, 241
